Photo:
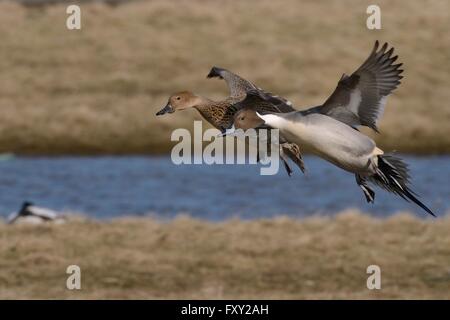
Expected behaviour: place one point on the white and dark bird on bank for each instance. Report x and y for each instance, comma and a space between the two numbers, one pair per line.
29, 213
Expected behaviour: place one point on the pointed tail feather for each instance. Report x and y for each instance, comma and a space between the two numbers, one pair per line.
392, 175
410, 196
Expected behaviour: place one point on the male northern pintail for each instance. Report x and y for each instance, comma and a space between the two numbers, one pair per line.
330, 130
29, 213
220, 113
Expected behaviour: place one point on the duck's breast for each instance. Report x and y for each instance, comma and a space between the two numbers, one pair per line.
332, 140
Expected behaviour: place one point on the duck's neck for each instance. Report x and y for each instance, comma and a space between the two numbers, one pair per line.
203, 103
212, 111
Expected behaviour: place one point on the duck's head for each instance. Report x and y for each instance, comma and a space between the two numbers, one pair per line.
26, 204
24, 208
179, 101
246, 119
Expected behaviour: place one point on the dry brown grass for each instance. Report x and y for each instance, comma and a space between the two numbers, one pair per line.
279, 258
97, 90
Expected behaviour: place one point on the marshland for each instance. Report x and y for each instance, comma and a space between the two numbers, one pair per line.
280, 258
78, 134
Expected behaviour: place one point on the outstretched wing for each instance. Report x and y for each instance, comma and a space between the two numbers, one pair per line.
254, 100
359, 99
239, 87
261, 103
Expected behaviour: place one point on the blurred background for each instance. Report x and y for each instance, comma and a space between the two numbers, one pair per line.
95, 92
78, 133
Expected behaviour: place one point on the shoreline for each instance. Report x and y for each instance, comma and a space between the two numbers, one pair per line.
165, 152
81, 217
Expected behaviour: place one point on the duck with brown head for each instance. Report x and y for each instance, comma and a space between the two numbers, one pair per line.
215, 112
246, 118
180, 101
220, 114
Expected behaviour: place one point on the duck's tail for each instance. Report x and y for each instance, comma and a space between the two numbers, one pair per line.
392, 175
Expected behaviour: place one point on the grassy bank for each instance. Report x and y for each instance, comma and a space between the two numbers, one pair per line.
186, 258
97, 90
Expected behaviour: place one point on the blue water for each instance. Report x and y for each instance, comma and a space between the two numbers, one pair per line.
105, 187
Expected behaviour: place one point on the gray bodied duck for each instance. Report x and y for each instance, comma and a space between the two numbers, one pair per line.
331, 132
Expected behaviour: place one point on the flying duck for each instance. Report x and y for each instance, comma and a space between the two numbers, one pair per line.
220, 113
330, 130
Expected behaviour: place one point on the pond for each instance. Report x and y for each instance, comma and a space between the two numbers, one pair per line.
106, 187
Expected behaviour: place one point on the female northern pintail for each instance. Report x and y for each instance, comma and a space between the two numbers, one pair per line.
330, 130
29, 213
220, 113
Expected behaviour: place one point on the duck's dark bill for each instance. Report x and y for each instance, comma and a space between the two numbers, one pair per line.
167, 109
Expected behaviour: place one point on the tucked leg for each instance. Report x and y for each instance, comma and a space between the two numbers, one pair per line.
369, 193
285, 162
262, 154
293, 152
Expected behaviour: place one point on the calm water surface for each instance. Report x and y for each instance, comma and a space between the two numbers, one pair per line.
105, 187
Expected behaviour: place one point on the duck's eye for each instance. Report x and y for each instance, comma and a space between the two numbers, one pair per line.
178, 98
242, 118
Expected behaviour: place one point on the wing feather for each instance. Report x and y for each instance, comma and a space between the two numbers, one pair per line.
360, 99
239, 87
